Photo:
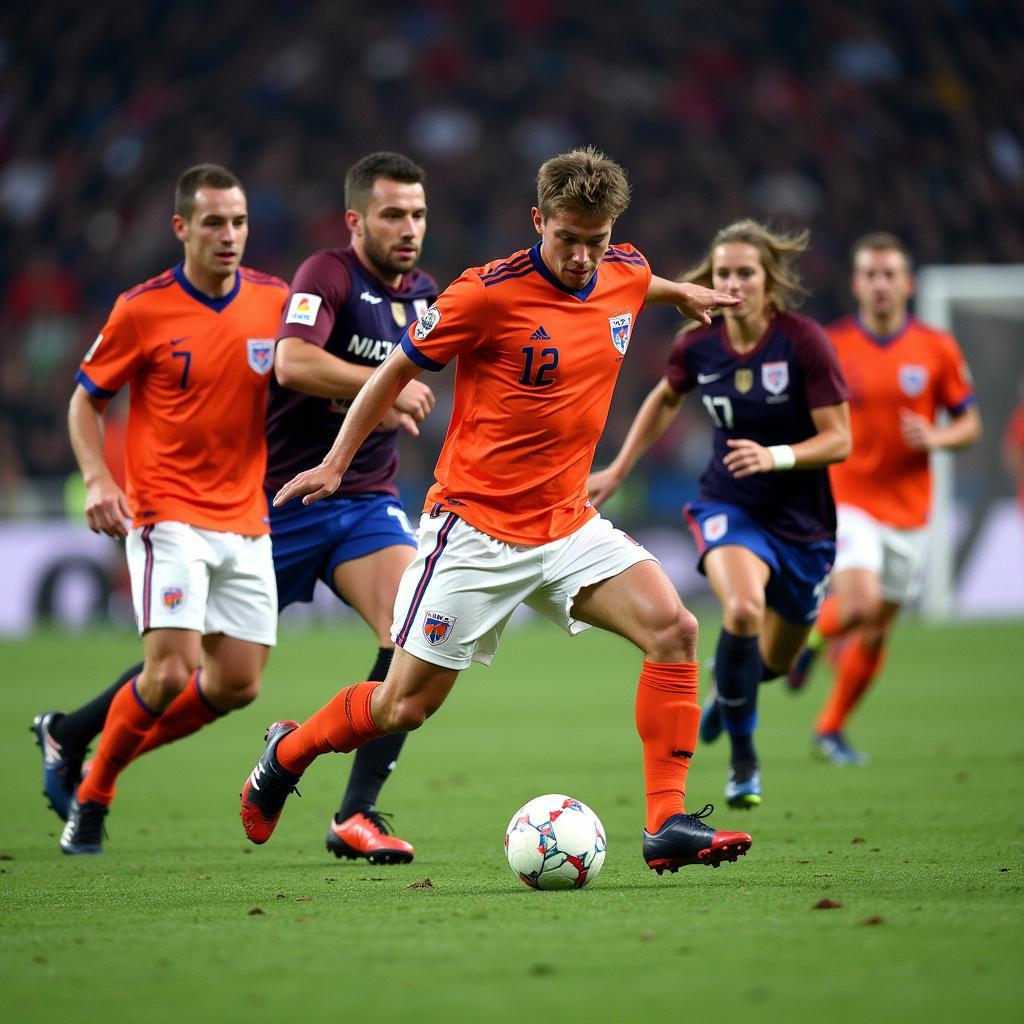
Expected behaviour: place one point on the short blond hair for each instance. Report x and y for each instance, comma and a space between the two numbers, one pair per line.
881, 241
778, 252
584, 180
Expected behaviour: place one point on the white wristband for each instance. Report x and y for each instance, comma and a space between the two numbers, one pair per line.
782, 456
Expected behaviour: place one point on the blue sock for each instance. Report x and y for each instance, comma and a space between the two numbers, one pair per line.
738, 671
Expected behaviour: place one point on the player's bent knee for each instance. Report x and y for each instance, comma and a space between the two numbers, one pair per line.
401, 716
745, 613
234, 694
675, 638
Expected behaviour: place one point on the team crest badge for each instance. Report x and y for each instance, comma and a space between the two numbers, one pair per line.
913, 380
261, 354
398, 312
620, 327
744, 380
426, 323
173, 597
775, 377
437, 627
715, 527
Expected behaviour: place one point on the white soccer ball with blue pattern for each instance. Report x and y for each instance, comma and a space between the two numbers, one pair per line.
555, 842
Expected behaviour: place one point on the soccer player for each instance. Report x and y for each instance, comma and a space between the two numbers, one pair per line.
196, 346
901, 372
347, 310
764, 520
538, 338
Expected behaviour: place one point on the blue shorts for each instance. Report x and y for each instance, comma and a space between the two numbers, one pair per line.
800, 572
310, 541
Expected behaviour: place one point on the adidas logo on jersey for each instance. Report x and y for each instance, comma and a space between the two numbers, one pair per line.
540, 335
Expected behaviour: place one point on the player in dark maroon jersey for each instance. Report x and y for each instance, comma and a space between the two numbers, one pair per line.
347, 309
764, 520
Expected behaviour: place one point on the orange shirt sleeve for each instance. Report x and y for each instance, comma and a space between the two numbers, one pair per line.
955, 385
459, 320
114, 357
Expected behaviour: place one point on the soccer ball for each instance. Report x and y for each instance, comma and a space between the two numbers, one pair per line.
555, 842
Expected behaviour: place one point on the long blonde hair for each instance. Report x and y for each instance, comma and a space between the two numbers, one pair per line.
778, 254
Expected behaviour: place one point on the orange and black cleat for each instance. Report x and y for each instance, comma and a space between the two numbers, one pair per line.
367, 834
685, 839
267, 787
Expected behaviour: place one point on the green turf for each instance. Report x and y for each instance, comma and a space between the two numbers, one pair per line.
181, 920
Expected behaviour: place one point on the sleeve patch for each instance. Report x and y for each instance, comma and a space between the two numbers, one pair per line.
92, 348
303, 308
426, 323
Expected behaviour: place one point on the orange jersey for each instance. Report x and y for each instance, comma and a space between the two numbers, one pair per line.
537, 365
198, 369
920, 369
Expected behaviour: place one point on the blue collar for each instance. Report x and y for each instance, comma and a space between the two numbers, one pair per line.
217, 305
883, 340
541, 267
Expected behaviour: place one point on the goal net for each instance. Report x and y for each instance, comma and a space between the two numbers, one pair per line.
976, 558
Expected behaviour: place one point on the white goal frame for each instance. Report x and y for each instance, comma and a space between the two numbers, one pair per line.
939, 289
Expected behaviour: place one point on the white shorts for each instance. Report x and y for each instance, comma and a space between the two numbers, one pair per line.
895, 556
457, 596
207, 580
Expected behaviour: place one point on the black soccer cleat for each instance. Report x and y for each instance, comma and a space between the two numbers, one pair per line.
62, 768
685, 839
267, 787
84, 831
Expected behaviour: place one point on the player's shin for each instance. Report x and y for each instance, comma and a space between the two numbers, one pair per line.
128, 721
341, 725
667, 719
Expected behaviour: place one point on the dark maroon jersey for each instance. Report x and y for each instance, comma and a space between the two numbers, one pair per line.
765, 395
336, 303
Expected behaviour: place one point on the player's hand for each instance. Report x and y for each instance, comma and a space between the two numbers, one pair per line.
106, 509
602, 485
697, 302
747, 458
416, 400
918, 431
311, 485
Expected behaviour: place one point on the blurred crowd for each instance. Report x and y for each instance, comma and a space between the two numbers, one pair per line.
902, 116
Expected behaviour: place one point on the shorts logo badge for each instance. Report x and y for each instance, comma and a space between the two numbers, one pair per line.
261, 354
303, 308
715, 527
620, 328
173, 598
913, 380
744, 380
775, 377
437, 627
426, 323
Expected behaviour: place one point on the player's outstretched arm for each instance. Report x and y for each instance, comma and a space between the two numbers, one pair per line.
375, 398
692, 300
658, 410
831, 443
106, 507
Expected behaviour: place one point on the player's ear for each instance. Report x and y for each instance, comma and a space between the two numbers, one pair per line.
178, 226
354, 222
538, 220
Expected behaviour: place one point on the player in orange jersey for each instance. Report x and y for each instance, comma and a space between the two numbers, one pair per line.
1013, 445
196, 345
539, 338
901, 372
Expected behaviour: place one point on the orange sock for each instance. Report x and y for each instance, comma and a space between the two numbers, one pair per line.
187, 713
128, 720
858, 665
828, 618
341, 725
667, 718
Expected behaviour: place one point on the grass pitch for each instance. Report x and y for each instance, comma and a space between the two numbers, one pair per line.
182, 920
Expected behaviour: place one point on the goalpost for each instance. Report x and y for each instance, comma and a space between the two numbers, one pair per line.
983, 307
